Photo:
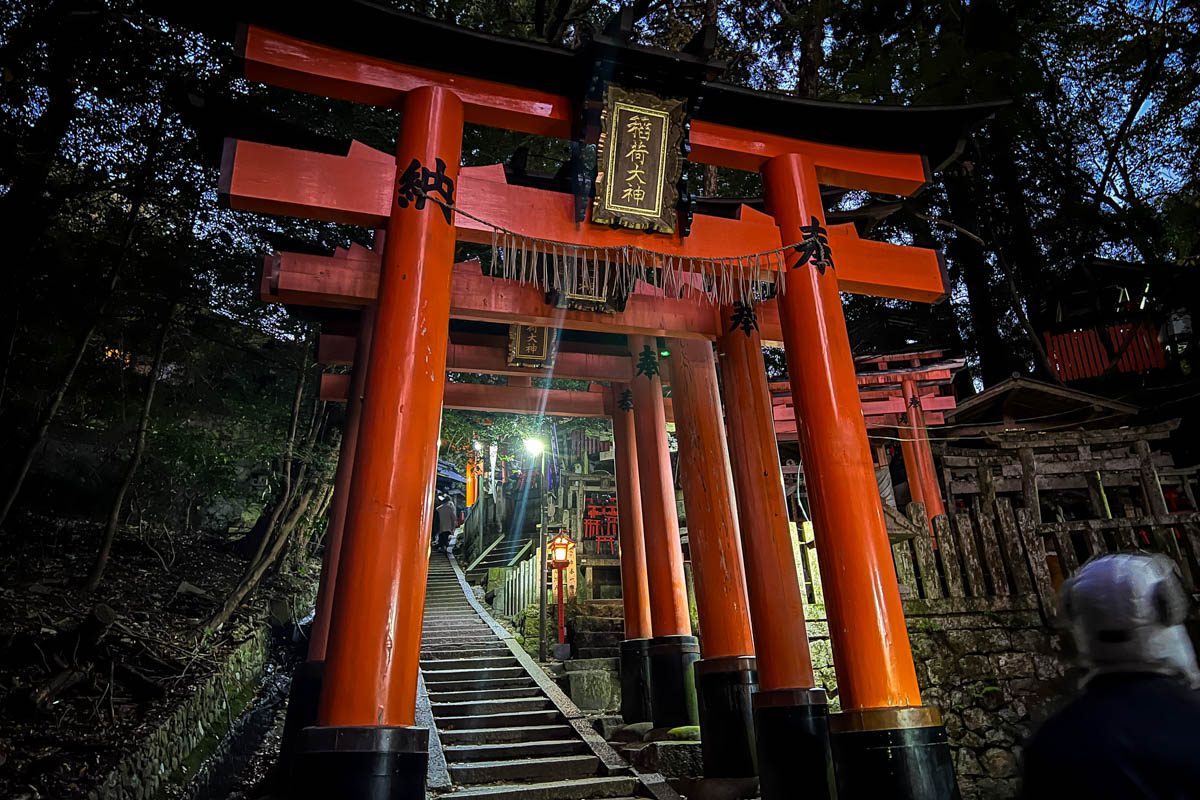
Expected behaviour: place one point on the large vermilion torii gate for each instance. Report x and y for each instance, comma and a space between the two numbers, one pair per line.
639, 112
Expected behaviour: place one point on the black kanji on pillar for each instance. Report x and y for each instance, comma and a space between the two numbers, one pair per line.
625, 401
814, 246
417, 183
647, 363
744, 316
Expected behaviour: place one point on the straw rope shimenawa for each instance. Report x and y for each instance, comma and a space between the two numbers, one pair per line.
603, 271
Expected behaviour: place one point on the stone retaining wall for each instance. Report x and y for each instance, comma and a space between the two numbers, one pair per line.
994, 671
171, 752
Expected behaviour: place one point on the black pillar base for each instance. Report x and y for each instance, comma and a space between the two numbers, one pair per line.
635, 681
792, 730
724, 692
303, 698
892, 752
360, 763
672, 681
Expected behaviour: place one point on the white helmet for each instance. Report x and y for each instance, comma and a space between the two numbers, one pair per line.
1126, 613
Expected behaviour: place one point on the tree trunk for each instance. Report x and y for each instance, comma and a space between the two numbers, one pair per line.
51, 410
12, 345
254, 574
135, 458
289, 455
994, 353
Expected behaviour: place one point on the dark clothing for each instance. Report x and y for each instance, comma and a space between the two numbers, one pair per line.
1126, 737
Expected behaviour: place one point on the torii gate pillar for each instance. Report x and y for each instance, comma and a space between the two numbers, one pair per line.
635, 587
366, 743
919, 465
791, 715
673, 650
305, 692
885, 743
726, 676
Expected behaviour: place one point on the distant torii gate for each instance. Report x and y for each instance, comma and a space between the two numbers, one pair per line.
885, 742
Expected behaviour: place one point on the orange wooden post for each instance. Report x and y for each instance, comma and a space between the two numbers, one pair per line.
635, 586
305, 691
912, 470
673, 649
726, 676
365, 741
791, 715
883, 726
319, 637
926, 475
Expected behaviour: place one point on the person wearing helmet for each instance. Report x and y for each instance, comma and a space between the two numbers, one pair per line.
1134, 729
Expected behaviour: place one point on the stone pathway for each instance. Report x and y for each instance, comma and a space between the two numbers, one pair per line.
506, 731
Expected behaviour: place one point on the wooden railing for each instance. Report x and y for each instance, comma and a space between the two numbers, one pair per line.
520, 587
999, 553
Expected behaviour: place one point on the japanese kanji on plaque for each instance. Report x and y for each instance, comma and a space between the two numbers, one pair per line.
530, 346
638, 161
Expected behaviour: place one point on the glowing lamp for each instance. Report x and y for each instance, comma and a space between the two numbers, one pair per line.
535, 447
560, 547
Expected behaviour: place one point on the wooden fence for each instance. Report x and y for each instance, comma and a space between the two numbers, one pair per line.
995, 552
520, 587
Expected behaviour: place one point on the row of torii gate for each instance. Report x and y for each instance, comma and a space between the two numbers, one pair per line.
754, 679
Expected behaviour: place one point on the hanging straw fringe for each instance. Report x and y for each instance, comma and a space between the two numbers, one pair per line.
601, 271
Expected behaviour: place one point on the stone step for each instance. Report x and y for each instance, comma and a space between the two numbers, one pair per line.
442, 675
578, 789
483, 684
441, 637
456, 633
499, 705
501, 751
598, 639
602, 608
596, 624
440, 664
524, 733
514, 720
599, 652
450, 645
554, 767
484, 694
499, 651
429, 649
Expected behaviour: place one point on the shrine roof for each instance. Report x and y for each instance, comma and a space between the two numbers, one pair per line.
935, 132
1035, 404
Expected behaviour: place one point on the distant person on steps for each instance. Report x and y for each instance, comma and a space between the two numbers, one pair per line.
445, 520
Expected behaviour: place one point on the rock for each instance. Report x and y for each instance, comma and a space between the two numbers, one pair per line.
583, 664
684, 733
607, 725
974, 666
975, 719
671, 759
716, 788
632, 733
999, 763
991, 698
966, 764
186, 588
1015, 665
1046, 667
594, 690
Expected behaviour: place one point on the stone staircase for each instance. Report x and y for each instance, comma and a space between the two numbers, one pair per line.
505, 730
599, 629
